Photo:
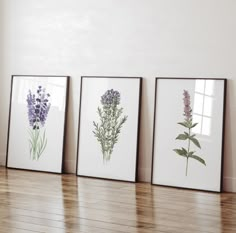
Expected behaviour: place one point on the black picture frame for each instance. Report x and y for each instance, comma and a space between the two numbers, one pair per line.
139, 94
36, 78
221, 135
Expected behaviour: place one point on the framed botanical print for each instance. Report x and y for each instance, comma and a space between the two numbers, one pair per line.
109, 127
189, 133
37, 122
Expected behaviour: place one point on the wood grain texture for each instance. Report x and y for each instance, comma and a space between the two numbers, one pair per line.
42, 202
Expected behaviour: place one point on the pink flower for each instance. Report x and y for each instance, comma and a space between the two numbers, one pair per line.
187, 107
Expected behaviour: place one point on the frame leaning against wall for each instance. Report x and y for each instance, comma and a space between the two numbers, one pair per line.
37, 122
108, 135
188, 133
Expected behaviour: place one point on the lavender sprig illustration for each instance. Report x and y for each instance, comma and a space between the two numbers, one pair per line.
38, 107
191, 138
111, 122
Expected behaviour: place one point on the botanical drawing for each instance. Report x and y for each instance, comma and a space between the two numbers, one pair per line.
191, 138
38, 107
111, 122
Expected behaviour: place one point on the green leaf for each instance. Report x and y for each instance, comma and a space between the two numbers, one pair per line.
193, 125
184, 124
186, 134
182, 137
189, 123
94, 123
191, 153
181, 152
30, 133
195, 141
185, 151
199, 159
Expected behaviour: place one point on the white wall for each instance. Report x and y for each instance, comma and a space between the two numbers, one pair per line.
3, 97
127, 38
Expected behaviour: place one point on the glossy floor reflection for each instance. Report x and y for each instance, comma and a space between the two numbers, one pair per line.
41, 202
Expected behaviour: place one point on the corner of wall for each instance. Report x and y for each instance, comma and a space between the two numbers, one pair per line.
144, 175
69, 166
229, 184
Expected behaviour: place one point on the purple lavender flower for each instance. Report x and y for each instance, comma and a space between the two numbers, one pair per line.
38, 107
110, 97
187, 107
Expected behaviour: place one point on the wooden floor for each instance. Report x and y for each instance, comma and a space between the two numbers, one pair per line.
41, 202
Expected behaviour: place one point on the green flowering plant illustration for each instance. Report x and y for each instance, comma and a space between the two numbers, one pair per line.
188, 136
108, 130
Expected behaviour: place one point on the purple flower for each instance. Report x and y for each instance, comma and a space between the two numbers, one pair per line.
110, 97
187, 108
38, 108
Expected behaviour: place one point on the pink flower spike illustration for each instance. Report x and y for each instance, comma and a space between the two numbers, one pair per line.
188, 136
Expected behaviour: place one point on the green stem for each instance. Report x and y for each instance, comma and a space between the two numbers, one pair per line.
38, 143
36, 136
106, 156
186, 173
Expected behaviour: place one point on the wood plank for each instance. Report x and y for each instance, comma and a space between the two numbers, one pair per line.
43, 202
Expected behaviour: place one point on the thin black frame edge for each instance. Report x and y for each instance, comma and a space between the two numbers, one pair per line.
223, 132
65, 122
153, 132
78, 132
65, 119
9, 122
138, 127
223, 136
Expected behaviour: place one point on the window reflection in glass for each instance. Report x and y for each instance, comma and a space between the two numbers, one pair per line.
199, 86
55, 86
202, 106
